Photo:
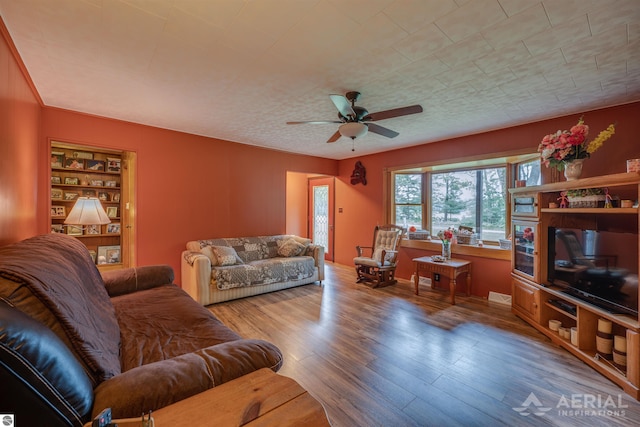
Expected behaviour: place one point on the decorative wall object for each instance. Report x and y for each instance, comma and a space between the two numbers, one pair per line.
359, 175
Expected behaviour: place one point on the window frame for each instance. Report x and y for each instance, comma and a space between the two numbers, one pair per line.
394, 205
509, 161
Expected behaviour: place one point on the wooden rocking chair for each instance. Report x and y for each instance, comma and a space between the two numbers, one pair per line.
379, 268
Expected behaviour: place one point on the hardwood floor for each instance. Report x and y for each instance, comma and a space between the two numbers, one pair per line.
386, 357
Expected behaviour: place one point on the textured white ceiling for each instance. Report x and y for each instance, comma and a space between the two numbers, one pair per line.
240, 69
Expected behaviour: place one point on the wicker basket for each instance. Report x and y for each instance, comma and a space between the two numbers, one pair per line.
596, 201
620, 359
465, 236
419, 235
467, 239
604, 346
463, 240
505, 244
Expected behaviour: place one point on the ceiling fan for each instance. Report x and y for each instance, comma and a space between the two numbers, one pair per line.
356, 121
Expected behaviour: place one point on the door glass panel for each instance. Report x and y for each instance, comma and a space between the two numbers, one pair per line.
524, 239
321, 215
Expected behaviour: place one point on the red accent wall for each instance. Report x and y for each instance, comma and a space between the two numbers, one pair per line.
297, 201
191, 187
19, 148
363, 205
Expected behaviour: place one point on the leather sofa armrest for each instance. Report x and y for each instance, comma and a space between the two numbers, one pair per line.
128, 280
42, 378
317, 252
196, 276
158, 384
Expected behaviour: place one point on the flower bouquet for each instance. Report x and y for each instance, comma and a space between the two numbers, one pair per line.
564, 146
446, 236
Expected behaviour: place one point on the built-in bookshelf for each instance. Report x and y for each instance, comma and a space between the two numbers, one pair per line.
81, 171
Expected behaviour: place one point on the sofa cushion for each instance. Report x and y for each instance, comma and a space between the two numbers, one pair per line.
61, 287
208, 252
263, 272
248, 248
290, 247
146, 323
225, 255
388, 256
305, 241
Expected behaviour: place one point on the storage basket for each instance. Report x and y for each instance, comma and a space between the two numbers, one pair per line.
620, 359
604, 344
464, 239
596, 201
465, 236
419, 235
467, 239
505, 244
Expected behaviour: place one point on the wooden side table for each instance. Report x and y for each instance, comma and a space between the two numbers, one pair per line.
261, 398
451, 268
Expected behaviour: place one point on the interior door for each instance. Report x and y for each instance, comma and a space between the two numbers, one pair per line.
321, 213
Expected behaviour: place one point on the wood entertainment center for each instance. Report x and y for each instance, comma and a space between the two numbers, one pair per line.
537, 300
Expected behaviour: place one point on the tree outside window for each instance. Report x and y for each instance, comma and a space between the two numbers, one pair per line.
530, 172
452, 200
408, 200
474, 198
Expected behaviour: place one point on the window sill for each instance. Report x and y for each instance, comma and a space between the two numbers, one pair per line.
488, 251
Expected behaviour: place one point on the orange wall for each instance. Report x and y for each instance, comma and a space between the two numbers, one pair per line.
19, 149
363, 205
190, 187
297, 201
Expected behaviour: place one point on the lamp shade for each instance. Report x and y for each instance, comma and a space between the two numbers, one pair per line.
353, 130
87, 211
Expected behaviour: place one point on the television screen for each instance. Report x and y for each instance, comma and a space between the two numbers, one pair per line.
600, 267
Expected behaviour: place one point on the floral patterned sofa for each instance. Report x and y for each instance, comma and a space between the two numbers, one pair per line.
216, 270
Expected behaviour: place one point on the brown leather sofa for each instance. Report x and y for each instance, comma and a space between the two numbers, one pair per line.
73, 341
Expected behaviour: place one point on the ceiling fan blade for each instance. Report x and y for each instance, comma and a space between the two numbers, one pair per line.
336, 136
396, 112
382, 130
314, 122
343, 105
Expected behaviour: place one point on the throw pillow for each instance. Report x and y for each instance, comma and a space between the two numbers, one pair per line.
306, 242
208, 252
377, 255
290, 247
226, 255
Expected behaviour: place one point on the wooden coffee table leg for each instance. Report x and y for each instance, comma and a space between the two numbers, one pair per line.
416, 279
452, 290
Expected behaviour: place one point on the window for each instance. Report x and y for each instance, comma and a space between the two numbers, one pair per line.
472, 194
408, 199
473, 198
530, 172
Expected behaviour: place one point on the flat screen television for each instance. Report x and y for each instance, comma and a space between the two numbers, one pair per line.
599, 267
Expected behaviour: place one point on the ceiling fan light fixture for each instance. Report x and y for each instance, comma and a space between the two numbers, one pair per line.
353, 130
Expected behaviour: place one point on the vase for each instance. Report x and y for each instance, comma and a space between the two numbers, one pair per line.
573, 169
446, 250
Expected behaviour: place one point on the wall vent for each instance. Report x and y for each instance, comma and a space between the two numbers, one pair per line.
499, 298
425, 281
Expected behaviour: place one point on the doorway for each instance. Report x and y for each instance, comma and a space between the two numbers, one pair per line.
321, 213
